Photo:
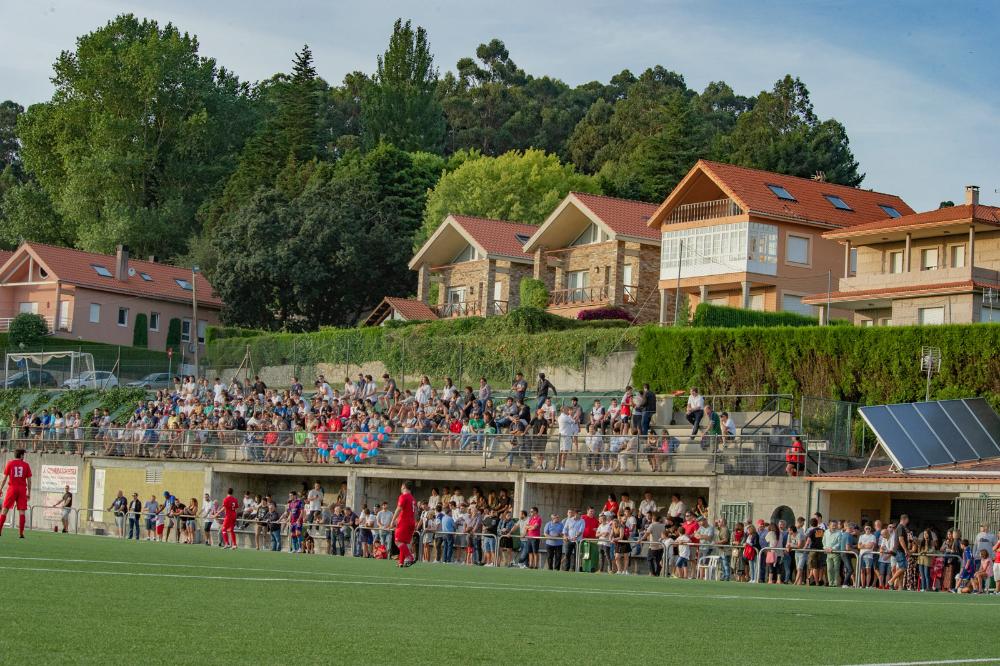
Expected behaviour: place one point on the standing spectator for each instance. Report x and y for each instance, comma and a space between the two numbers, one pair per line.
814, 543
209, 508
519, 387
654, 550
722, 538
542, 390
488, 539
66, 504
587, 546
985, 540
695, 411
572, 531
273, 518
134, 515
448, 535
902, 544
795, 458
554, 543
383, 520
315, 498
533, 530
151, 508
647, 409
867, 546
603, 534
505, 529
926, 545
119, 506
833, 541
885, 550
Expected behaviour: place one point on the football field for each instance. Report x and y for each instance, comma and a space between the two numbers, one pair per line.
68, 598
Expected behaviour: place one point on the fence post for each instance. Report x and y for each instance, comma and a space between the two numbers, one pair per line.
585, 366
461, 361
347, 358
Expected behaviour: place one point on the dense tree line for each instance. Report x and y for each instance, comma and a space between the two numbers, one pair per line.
303, 200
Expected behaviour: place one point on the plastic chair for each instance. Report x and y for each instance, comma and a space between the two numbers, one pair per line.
708, 567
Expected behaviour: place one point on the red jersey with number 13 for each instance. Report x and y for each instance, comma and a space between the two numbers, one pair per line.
406, 505
18, 472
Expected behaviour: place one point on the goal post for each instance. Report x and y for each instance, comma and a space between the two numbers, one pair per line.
49, 369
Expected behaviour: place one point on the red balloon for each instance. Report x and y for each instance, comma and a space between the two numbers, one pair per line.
362, 455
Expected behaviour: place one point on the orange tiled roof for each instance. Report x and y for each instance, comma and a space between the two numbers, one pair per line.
497, 236
624, 216
411, 308
906, 290
749, 187
76, 267
981, 214
4, 256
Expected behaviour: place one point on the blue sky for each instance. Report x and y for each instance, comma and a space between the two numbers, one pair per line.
916, 83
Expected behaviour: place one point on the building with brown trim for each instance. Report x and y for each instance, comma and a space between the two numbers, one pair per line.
937, 267
597, 251
97, 297
754, 239
477, 265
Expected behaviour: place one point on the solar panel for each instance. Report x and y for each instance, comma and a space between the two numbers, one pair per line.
924, 434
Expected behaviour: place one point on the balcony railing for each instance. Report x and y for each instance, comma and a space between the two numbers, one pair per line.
704, 210
49, 320
630, 294
459, 309
499, 307
598, 294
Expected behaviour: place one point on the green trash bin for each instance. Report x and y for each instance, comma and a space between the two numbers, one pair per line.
589, 556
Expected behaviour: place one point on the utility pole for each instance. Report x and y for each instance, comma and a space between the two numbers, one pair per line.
829, 286
194, 319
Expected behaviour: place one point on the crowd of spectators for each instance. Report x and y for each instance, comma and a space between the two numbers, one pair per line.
620, 537
291, 425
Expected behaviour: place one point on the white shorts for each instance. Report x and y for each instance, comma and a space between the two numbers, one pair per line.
565, 442
996, 571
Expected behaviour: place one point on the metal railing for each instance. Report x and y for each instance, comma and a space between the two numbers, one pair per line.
630, 294
704, 210
459, 309
790, 551
49, 321
597, 294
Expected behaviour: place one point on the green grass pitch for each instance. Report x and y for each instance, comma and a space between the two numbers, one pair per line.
81, 599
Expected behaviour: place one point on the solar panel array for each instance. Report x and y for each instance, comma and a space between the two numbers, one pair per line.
917, 435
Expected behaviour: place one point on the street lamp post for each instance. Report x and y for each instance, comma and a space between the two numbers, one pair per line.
194, 319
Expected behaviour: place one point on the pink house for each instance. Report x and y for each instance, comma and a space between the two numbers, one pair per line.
96, 297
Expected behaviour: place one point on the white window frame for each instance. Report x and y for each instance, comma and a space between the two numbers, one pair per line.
91, 317
852, 261
808, 249
813, 310
120, 311
757, 302
951, 255
185, 336
921, 316
27, 307
925, 264
202, 330
154, 321
890, 268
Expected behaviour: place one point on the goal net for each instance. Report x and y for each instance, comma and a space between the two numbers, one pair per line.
51, 369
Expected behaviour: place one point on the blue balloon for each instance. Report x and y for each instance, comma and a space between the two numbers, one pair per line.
381, 429
373, 453
357, 458
342, 457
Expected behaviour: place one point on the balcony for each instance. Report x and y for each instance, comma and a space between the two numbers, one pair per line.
630, 294
579, 296
470, 309
918, 278
49, 321
704, 210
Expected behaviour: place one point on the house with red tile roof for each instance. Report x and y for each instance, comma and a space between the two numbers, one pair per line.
477, 265
598, 251
940, 266
754, 239
98, 297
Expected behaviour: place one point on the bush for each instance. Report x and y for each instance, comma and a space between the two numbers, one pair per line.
223, 332
598, 314
174, 333
27, 329
140, 333
877, 365
534, 294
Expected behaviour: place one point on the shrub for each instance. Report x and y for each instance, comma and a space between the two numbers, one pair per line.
596, 314
174, 333
534, 294
27, 329
707, 314
140, 332
223, 332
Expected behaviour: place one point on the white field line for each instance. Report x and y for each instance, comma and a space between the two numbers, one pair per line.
393, 581
985, 660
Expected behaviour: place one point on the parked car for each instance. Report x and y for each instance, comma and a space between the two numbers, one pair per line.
32, 379
101, 379
154, 380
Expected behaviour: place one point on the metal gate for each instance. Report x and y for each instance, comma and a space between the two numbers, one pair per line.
971, 512
735, 512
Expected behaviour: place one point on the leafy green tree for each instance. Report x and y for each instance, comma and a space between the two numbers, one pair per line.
519, 186
10, 147
782, 133
138, 133
27, 213
27, 329
399, 105
534, 294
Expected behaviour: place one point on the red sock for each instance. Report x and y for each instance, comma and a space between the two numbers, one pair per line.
3, 521
404, 552
20, 524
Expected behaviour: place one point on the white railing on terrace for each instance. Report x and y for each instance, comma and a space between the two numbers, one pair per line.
49, 321
704, 210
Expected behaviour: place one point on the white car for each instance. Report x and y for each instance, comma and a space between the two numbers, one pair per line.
100, 379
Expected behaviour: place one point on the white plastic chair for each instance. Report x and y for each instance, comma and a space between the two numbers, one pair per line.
708, 567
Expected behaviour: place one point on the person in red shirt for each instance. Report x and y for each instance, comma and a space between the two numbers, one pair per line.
404, 522
590, 524
611, 506
230, 505
18, 474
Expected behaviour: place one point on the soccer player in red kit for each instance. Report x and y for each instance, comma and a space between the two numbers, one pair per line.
405, 523
18, 474
229, 507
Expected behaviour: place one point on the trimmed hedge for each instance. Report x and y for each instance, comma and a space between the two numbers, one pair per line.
603, 314
707, 314
867, 365
534, 293
140, 333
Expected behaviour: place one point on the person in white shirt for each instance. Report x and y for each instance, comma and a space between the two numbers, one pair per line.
567, 430
676, 510
728, 428
423, 394
695, 410
208, 510
647, 505
683, 542
595, 444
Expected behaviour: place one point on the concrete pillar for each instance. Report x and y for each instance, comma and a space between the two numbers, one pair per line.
521, 491
57, 319
847, 259
906, 255
703, 294
491, 276
822, 315
745, 298
971, 260
423, 281
539, 265
617, 274
355, 490
664, 306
